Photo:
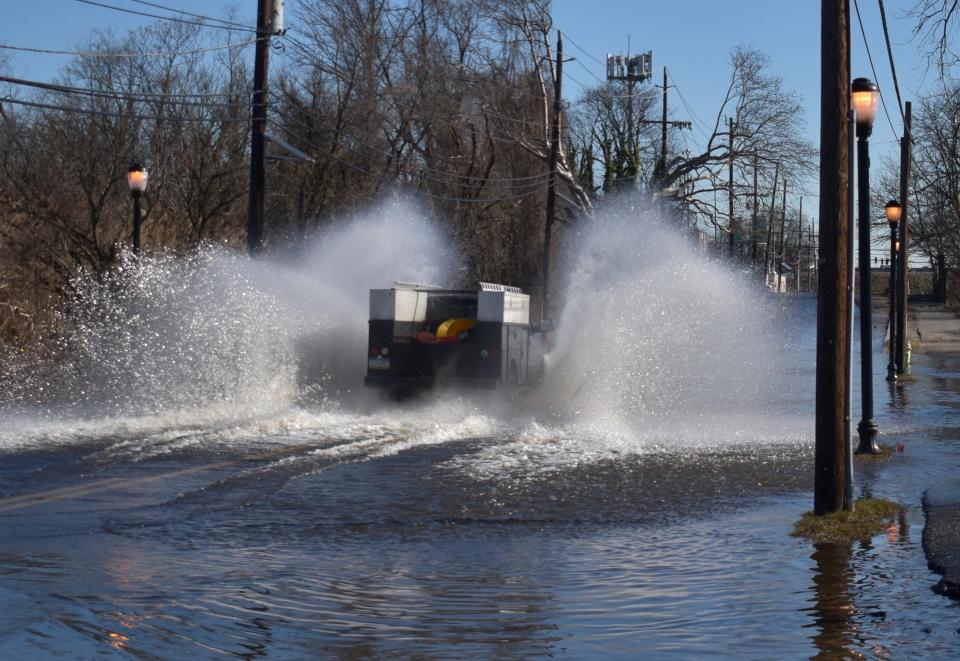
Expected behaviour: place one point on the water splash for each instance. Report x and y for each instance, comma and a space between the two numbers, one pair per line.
212, 334
162, 333
658, 346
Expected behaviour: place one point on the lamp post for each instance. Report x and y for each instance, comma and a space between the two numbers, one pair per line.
864, 98
137, 180
892, 211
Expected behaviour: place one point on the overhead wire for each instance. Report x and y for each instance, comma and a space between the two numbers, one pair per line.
417, 191
863, 33
332, 70
392, 94
231, 24
121, 115
534, 179
893, 68
582, 49
701, 125
139, 97
50, 51
587, 69
161, 17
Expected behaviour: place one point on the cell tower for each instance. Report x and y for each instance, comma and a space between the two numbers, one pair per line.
632, 68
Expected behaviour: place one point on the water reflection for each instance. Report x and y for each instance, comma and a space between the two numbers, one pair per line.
833, 607
899, 396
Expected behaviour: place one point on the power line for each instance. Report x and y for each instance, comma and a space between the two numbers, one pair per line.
49, 51
700, 124
143, 97
161, 17
337, 73
534, 179
121, 115
893, 68
566, 36
587, 69
200, 16
863, 33
416, 191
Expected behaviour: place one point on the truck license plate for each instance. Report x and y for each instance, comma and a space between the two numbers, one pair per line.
378, 363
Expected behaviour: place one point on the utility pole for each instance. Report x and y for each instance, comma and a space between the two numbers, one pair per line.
552, 181
799, 242
258, 127
773, 201
730, 184
782, 250
906, 162
631, 133
830, 471
638, 69
663, 125
631, 70
753, 219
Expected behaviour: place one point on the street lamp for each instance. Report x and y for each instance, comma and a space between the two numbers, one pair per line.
864, 98
892, 211
137, 180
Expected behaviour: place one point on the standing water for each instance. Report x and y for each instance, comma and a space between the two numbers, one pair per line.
172, 484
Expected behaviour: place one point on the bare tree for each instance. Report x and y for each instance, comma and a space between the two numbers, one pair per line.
937, 22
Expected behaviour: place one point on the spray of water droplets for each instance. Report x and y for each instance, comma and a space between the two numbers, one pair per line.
161, 333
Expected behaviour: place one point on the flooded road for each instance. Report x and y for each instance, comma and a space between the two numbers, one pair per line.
443, 532
170, 488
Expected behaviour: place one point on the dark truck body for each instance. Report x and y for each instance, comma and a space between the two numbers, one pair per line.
407, 349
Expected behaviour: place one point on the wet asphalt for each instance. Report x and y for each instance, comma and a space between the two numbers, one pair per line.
935, 330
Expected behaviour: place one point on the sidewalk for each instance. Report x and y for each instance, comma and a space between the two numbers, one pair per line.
934, 328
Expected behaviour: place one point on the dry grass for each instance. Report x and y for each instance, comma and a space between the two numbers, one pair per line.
885, 453
870, 517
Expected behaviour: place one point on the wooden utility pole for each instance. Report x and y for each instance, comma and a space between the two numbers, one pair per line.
730, 185
753, 218
660, 169
663, 125
552, 181
830, 472
781, 242
631, 132
799, 242
906, 163
773, 202
258, 127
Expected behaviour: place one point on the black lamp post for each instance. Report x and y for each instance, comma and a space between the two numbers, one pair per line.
864, 97
892, 211
137, 180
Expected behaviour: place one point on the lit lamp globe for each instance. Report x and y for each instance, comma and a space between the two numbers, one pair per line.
865, 96
892, 211
137, 179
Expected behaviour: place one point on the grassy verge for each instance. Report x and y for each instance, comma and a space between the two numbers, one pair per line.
885, 453
870, 517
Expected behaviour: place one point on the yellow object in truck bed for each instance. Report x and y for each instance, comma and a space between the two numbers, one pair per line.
451, 328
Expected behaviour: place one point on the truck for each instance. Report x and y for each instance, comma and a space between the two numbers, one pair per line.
424, 336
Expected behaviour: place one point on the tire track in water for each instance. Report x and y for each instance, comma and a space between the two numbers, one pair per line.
281, 467
66, 493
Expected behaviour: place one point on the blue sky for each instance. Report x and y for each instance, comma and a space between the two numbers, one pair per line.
692, 38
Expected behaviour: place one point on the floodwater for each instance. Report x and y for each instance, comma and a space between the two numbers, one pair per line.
638, 505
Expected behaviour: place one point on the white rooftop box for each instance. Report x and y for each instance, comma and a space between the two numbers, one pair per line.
407, 302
